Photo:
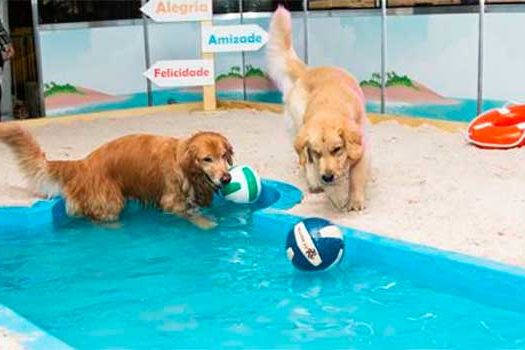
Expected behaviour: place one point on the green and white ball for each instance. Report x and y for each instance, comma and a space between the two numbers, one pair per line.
245, 186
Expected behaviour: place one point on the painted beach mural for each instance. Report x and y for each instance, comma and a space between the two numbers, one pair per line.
431, 73
258, 59
441, 64
504, 73
83, 71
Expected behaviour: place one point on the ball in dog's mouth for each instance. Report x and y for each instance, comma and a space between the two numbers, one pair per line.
220, 183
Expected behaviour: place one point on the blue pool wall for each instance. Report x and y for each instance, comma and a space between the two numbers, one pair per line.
484, 281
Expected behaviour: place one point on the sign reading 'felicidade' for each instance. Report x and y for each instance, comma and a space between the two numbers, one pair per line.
249, 37
182, 73
178, 10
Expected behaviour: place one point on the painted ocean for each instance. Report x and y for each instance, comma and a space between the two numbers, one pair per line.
463, 111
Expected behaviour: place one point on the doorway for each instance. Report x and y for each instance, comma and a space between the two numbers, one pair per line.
25, 93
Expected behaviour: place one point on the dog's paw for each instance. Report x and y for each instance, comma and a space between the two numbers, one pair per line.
357, 203
203, 223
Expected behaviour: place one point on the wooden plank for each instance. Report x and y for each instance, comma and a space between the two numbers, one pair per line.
209, 91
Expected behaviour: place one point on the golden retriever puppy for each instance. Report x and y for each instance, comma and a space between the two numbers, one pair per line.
326, 109
178, 176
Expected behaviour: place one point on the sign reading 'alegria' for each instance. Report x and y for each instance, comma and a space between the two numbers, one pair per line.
178, 10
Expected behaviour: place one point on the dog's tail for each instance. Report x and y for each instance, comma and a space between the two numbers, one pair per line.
45, 176
284, 66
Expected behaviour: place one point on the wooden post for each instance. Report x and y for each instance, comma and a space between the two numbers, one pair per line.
209, 95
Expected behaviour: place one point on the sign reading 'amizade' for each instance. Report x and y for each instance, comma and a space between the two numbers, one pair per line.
182, 73
178, 10
248, 37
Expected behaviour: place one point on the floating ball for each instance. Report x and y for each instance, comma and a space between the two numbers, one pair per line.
315, 244
245, 186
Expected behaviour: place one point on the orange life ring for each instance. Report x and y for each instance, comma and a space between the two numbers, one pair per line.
498, 128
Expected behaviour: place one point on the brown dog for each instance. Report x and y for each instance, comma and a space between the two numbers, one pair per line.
325, 106
178, 176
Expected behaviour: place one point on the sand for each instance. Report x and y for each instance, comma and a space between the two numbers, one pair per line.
428, 186
10, 340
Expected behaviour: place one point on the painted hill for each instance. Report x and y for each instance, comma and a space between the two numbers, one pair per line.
67, 96
252, 83
254, 78
402, 89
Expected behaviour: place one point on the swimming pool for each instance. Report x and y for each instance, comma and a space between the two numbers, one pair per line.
156, 282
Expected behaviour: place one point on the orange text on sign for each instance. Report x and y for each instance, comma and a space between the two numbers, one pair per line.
168, 7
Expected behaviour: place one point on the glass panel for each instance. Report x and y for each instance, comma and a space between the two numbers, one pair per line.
505, 1
64, 11
83, 72
422, 3
259, 87
342, 4
432, 72
174, 41
504, 70
228, 71
353, 43
225, 6
271, 5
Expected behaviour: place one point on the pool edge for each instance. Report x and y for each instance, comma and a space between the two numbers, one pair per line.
26, 334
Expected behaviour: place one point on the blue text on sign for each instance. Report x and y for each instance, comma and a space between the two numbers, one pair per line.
235, 39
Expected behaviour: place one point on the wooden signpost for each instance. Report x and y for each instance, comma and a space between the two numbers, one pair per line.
213, 39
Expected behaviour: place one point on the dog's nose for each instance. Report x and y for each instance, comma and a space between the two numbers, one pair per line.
328, 177
226, 178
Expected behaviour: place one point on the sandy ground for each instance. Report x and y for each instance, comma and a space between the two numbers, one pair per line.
10, 340
428, 186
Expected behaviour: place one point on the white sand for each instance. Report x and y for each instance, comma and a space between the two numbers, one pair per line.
10, 340
429, 186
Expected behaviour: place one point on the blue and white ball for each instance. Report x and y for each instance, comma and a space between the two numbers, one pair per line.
315, 244
244, 187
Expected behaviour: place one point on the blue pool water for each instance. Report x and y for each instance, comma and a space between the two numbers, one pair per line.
156, 282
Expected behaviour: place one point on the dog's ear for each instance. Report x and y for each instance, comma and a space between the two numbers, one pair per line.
301, 146
187, 157
229, 150
353, 138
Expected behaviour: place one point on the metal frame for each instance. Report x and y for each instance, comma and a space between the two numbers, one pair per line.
7, 93
384, 32
38, 52
305, 30
243, 54
382, 11
147, 57
481, 33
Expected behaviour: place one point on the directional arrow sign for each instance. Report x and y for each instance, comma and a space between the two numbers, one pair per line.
248, 37
182, 73
178, 10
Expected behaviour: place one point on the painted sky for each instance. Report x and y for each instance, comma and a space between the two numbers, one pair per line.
440, 51
109, 60
350, 42
504, 71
